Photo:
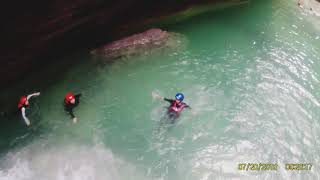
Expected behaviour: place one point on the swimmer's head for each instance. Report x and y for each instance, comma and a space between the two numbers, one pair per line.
179, 97
69, 98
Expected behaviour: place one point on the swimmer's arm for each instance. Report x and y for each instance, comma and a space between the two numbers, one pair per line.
23, 111
69, 110
74, 118
169, 100
71, 113
77, 97
34, 94
187, 106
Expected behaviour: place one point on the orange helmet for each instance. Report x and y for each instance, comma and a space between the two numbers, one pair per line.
68, 97
22, 101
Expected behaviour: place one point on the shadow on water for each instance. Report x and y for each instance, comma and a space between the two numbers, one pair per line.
258, 16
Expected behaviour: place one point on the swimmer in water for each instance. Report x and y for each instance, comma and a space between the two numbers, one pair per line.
176, 106
71, 101
24, 104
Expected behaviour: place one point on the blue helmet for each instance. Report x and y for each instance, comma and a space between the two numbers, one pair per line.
179, 96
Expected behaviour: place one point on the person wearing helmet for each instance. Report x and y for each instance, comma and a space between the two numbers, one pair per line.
176, 105
71, 101
23, 104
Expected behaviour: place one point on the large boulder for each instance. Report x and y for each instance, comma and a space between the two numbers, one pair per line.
141, 43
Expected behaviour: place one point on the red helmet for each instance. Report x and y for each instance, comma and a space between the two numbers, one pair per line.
68, 97
22, 101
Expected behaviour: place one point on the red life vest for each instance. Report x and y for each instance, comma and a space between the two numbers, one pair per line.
22, 101
174, 107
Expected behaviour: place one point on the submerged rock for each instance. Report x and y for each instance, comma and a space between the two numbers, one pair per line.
141, 43
313, 6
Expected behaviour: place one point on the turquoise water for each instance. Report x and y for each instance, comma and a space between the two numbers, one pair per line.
250, 74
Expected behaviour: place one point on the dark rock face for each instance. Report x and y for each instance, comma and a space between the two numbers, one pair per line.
35, 32
141, 43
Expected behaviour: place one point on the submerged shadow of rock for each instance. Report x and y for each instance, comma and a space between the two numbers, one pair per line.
145, 43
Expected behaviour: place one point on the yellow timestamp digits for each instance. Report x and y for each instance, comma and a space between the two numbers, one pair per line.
298, 166
257, 167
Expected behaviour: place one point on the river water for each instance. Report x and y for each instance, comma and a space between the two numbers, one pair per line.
250, 74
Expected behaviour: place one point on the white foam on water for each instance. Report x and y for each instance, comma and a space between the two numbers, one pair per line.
65, 162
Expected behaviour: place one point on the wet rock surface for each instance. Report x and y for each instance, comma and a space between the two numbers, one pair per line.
37, 33
141, 43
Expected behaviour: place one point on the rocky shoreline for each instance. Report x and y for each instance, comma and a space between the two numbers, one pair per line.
36, 34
